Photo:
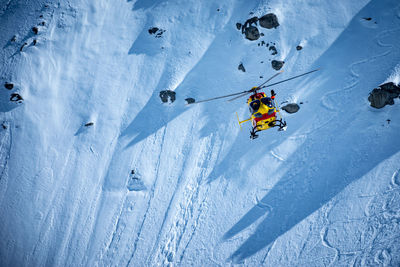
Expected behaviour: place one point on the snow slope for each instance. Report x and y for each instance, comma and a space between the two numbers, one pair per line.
325, 192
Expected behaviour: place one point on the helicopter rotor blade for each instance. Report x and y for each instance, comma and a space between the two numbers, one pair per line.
255, 89
268, 85
239, 96
218, 97
273, 76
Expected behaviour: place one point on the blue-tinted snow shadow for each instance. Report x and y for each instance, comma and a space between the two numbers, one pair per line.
144, 4
304, 189
240, 155
147, 44
200, 79
5, 103
151, 118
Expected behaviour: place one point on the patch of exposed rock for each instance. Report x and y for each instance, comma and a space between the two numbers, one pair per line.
252, 33
384, 95
277, 64
241, 67
190, 100
167, 95
269, 21
291, 108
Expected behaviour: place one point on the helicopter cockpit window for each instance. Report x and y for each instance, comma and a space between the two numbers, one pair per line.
254, 105
267, 101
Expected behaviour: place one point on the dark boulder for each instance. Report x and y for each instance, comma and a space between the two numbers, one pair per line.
384, 95
22, 47
249, 23
391, 88
190, 100
153, 30
9, 86
16, 98
252, 33
291, 108
167, 95
299, 47
238, 26
277, 64
269, 21
241, 67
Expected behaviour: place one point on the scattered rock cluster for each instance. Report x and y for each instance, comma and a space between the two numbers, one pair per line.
271, 47
384, 95
14, 97
251, 32
30, 39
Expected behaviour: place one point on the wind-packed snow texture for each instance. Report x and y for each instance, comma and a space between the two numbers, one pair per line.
325, 192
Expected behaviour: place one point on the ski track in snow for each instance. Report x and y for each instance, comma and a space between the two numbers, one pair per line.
326, 103
379, 214
186, 212
355, 77
151, 196
5, 150
179, 203
178, 184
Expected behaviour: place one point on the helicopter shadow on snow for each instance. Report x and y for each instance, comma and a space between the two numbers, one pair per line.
311, 179
305, 188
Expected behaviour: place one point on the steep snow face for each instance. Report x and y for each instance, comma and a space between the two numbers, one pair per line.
96, 171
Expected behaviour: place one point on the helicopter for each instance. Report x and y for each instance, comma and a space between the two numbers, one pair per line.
263, 112
263, 109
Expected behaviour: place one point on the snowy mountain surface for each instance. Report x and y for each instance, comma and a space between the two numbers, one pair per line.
95, 170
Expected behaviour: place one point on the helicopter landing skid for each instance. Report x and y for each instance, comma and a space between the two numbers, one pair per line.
276, 123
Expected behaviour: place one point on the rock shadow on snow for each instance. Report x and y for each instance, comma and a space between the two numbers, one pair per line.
151, 118
135, 182
144, 4
145, 43
9, 101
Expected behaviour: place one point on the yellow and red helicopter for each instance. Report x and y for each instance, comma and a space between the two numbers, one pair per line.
263, 113
263, 109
